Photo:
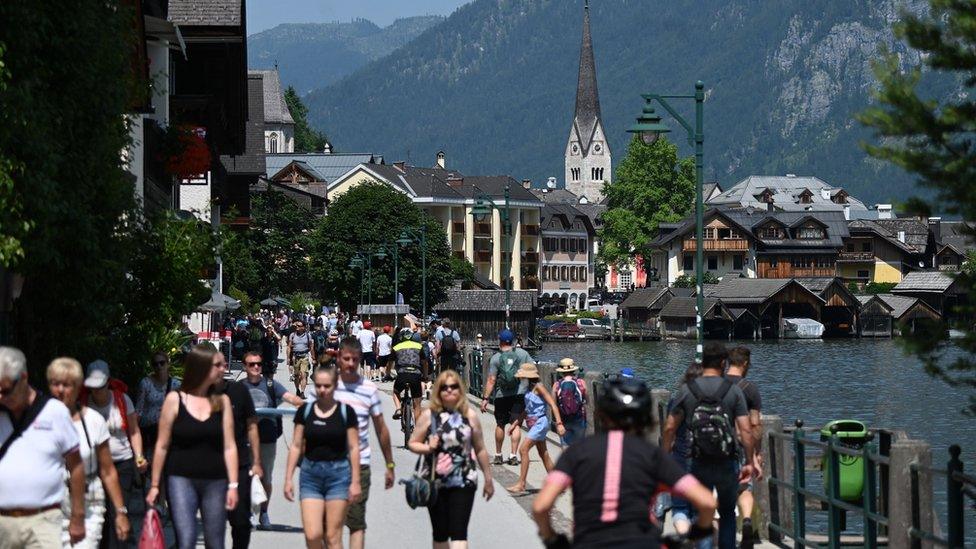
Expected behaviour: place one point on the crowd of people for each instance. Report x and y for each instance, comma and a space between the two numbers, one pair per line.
73, 458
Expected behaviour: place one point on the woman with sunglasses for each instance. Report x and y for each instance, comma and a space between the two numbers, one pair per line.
450, 432
327, 438
149, 401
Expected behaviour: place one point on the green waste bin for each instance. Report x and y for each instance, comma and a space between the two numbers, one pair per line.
851, 434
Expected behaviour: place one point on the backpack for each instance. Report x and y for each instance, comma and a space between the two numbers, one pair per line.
448, 343
269, 429
569, 398
320, 338
711, 430
508, 366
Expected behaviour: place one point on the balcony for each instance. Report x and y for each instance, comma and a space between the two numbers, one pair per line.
482, 256
530, 230
457, 227
714, 245
855, 256
482, 229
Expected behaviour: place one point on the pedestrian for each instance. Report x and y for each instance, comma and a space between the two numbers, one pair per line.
448, 346
569, 392
39, 448
320, 339
614, 475
507, 392
627, 373
327, 438
197, 449
64, 377
714, 410
108, 397
355, 325
270, 345
301, 356
363, 396
384, 352
739, 364
266, 393
367, 340
682, 513
152, 391
538, 404
449, 431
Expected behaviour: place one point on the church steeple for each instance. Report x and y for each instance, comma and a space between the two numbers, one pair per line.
587, 154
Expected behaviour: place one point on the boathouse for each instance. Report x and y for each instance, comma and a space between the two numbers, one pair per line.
839, 313
678, 318
939, 290
476, 312
643, 305
907, 312
875, 319
769, 300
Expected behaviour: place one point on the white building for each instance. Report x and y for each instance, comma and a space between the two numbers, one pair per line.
279, 126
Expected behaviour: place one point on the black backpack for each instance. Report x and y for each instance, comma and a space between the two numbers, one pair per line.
711, 430
448, 343
269, 429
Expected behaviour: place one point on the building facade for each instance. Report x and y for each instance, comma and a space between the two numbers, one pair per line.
279, 126
567, 270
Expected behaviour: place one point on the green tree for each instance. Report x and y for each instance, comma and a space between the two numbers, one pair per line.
652, 186
933, 140
688, 281
359, 221
307, 139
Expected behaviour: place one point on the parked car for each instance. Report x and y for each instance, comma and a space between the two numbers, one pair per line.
563, 330
592, 327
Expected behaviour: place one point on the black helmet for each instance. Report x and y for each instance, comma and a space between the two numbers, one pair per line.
627, 401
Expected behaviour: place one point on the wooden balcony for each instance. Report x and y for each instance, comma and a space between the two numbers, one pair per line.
714, 245
530, 230
785, 270
482, 256
855, 256
482, 229
457, 227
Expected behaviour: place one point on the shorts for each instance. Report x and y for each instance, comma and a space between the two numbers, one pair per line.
369, 359
356, 516
575, 429
449, 361
325, 480
268, 451
538, 429
383, 360
301, 367
408, 380
508, 409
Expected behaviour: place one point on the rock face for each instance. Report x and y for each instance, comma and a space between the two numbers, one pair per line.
494, 85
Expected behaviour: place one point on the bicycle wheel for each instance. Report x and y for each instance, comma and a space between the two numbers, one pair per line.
406, 419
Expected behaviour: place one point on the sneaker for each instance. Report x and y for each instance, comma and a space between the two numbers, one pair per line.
748, 536
397, 415
264, 523
498, 460
514, 460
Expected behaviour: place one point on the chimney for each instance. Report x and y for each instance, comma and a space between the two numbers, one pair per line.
935, 228
884, 211
440, 159
901, 236
401, 165
455, 181
526, 183
327, 148
825, 193
769, 206
551, 183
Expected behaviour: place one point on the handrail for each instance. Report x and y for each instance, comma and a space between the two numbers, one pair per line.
959, 486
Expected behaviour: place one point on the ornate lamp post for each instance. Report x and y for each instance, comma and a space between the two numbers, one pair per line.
418, 235
481, 211
381, 252
649, 127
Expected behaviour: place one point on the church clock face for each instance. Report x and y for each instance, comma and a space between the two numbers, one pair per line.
575, 148
598, 148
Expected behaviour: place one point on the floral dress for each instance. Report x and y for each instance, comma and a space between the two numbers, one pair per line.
455, 455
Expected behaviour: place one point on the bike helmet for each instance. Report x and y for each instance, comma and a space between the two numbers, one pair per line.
626, 401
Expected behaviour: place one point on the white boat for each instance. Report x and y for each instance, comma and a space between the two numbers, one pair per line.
802, 328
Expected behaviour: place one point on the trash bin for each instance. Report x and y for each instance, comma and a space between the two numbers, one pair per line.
851, 434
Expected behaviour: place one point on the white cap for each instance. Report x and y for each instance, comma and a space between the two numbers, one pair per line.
97, 375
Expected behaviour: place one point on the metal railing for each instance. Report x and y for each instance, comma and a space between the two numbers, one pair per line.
959, 486
476, 377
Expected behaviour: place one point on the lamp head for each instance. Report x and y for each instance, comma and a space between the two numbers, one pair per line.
649, 125
481, 210
380, 254
404, 239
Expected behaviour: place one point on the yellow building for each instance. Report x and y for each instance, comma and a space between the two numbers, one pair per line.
882, 250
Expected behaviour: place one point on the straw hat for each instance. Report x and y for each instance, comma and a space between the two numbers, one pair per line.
527, 371
566, 366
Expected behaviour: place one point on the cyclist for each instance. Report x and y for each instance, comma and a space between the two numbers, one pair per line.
614, 475
411, 369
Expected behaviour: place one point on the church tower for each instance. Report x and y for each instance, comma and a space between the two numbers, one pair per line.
587, 152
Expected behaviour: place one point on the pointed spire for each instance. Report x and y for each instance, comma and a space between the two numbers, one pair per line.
587, 96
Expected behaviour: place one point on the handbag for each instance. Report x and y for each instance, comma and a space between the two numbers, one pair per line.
152, 531
421, 487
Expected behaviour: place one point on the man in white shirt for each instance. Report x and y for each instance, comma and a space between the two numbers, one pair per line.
38, 442
355, 325
367, 339
384, 351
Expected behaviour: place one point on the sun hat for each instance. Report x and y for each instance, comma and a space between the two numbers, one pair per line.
506, 336
566, 366
97, 374
527, 371
627, 373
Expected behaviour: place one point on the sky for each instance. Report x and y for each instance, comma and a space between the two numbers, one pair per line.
265, 14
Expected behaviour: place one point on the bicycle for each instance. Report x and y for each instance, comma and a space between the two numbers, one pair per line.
406, 415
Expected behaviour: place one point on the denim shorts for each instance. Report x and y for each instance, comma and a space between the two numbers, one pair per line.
324, 479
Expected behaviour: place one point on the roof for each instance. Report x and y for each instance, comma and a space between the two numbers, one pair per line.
206, 13
785, 193
329, 165
749, 291
251, 162
439, 183
924, 281
916, 231
750, 220
902, 304
587, 96
710, 188
959, 235
567, 214
874, 226
816, 285
275, 107
487, 300
556, 196
866, 299
685, 307
643, 298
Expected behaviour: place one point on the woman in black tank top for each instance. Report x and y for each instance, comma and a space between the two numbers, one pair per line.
197, 448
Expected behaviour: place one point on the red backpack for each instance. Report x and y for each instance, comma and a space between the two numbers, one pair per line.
569, 398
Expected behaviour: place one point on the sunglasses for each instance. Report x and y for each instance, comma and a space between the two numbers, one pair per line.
252, 363
450, 387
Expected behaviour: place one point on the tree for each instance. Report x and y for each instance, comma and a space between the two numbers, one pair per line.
652, 186
933, 139
307, 139
688, 281
360, 220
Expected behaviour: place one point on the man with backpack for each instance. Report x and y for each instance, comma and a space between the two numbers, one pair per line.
266, 393
448, 346
570, 394
508, 392
713, 409
301, 356
739, 362
321, 338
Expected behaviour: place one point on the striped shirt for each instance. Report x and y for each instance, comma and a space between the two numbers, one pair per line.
364, 397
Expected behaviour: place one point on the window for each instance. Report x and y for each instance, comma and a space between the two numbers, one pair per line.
563, 246
863, 274
774, 262
689, 262
850, 246
564, 273
708, 232
770, 231
810, 233
582, 245
554, 274
712, 263
866, 246
273, 143
737, 261
572, 245
825, 263
576, 173
625, 279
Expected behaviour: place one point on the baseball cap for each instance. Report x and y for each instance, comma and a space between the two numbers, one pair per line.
97, 374
506, 336
627, 372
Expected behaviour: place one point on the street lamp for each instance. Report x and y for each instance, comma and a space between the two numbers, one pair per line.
418, 235
391, 249
481, 211
649, 127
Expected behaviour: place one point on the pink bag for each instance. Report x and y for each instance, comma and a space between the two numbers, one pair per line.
152, 531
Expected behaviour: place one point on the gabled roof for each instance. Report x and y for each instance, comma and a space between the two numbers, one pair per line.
567, 214
685, 307
487, 300
748, 220
925, 281
329, 165
785, 190
901, 305
958, 234
751, 291
300, 165
688, 224
275, 108
877, 299
916, 231
643, 298
206, 13
820, 285
873, 227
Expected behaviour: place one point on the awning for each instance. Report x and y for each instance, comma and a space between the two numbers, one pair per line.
220, 303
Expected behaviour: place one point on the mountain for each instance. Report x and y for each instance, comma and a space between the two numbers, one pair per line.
314, 55
494, 86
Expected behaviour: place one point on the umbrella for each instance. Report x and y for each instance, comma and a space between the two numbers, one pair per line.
220, 303
269, 302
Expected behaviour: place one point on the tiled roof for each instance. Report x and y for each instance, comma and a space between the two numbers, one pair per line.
924, 281
252, 161
875, 227
865, 299
487, 300
642, 298
568, 214
275, 108
916, 231
685, 307
746, 291
329, 165
959, 235
786, 191
206, 13
901, 304
749, 220
440, 183
556, 196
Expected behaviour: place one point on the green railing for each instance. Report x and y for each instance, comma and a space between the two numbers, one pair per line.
959, 486
833, 449
476, 374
